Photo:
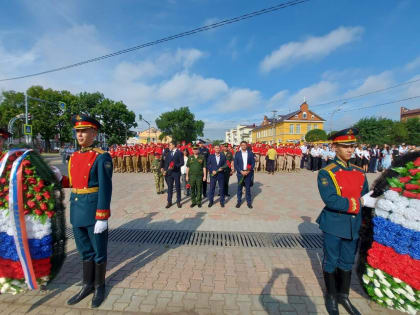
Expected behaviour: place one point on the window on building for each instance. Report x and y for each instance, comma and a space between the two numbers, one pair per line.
292, 128
297, 128
304, 115
309, 127
312, 116
315, 126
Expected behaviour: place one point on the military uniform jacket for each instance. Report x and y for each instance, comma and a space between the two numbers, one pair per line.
156, 166
90, 177
341, 187
196, 165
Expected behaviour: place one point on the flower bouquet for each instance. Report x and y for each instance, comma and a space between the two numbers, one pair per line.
390, 250
241, 181
32, 226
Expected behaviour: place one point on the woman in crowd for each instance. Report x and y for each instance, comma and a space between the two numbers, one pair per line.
184, 173
365, 159
387, 157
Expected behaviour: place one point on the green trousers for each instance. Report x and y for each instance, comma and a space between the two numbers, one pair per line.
196, 182
159, 182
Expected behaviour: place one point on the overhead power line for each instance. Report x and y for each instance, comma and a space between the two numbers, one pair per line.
367, 93
377, 105
168, 38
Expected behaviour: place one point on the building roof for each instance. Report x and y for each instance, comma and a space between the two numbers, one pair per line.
406, 111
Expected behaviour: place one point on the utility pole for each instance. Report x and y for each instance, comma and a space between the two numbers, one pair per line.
141, 118
274, 125
26, 117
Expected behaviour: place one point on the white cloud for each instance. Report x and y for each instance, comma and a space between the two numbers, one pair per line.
413, 64
414, 88
277, 98
313, 47
372, 83
240, 100
318, 92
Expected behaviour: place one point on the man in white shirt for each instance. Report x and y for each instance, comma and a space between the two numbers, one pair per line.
244, 164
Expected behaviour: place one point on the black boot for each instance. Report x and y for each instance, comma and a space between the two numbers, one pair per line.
330, 296
343, 288
99, 295
87, 285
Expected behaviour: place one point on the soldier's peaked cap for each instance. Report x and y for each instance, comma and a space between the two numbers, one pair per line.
345, 136
84, 121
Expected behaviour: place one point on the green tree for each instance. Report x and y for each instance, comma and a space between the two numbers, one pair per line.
180, 124
375, 130
413, 129
316, 135
12, 104
218, 142
399, 133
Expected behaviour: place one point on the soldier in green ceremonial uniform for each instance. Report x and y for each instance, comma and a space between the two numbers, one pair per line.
157, 173
227, 170
196, 174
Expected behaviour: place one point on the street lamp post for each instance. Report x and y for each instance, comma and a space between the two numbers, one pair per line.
141, 118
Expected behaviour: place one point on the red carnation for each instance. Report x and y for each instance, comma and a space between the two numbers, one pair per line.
1, 193
37, 189
229, 164
7, 198
409, 194
32, 180
417, 162
171, 165
25, 187
411, 187
6, 189
38, 197
249, 167
31, 204
26, 163
9, 167
414, 171
28, 171
46, 195
397, 189
12, 158
44, 206
405, 179
3, 180
38, 212
49, 213
1, 203
188, 186
26, 211
41, 184
29, 195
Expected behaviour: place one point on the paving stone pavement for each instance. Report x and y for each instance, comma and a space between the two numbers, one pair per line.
144, 279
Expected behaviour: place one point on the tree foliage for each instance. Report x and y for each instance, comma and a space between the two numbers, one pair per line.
180, 124
383, 130
51, 122
316, 135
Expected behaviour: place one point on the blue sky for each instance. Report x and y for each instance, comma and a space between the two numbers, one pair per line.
320, 50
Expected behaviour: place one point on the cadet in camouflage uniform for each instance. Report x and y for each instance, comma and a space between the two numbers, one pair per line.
196, 174
155, 167
227, 170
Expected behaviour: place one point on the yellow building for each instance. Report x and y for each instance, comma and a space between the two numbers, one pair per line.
150, 135
287, 128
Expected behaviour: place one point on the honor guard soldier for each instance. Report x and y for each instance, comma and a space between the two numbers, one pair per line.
90, 178
345, 191
4, 135
196, 175
202, 150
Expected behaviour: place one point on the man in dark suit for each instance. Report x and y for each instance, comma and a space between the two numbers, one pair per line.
171, 168
205, 153
216, 165
244, 164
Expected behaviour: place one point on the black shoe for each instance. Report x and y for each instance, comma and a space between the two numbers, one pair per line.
222, 204
192, 205
250, 206
178, 204
343, 289
99, 295
168, 205
87, 286
227, 195
199, 205
205, 195
330, 296
210, 204
238, 205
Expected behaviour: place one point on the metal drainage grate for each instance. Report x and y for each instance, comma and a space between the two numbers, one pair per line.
222, 239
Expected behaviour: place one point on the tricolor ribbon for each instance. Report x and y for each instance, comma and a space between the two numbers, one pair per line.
17, 217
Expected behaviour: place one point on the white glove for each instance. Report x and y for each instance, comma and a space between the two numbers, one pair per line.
368, 201
57, 173
100, 226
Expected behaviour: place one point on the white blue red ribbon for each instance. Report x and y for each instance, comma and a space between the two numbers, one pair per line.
17, 217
